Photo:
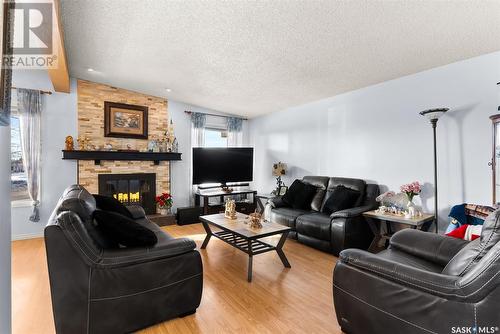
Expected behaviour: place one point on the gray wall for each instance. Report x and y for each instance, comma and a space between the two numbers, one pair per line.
59, 119
376, 133
5, 246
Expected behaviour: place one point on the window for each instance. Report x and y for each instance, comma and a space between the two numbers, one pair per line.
19, 184
215, 137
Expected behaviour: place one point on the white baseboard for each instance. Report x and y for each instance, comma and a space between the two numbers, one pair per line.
27, 236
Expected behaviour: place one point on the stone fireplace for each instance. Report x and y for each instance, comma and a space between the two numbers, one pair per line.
135, 188
91, 99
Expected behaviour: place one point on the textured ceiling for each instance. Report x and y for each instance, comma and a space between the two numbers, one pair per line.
251, 58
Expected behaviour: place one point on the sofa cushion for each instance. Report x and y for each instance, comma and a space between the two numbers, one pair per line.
341, 198
300, 195
356, 184
472, 253
124, 230
315, 225
320, 182
108, 203
286, 216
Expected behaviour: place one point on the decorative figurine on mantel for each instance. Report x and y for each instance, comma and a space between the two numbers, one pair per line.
230, 211
175, 146
70, 145
152, 144
83, 143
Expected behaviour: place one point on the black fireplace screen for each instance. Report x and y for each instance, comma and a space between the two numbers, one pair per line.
139, 188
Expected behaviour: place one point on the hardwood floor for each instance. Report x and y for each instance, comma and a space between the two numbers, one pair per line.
279, 300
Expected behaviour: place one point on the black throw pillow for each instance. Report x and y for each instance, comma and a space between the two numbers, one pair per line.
300, 195
124, 230
108, 203
341, 198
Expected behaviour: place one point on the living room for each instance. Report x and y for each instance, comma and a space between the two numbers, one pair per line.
210, 167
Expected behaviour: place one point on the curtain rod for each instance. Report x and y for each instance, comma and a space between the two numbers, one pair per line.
41, 91
190, 112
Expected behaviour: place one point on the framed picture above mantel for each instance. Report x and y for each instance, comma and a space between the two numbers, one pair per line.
125, 120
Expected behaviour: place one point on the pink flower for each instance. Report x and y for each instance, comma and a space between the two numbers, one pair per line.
413, 188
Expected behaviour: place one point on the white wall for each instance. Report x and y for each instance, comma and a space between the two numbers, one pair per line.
181, 170
376, 133
59, 119
5, 247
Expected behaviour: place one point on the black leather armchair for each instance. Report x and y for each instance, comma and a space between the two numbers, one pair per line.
330, 233
424, 283
99, 290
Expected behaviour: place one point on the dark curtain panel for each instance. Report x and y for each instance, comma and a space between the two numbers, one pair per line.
6, 73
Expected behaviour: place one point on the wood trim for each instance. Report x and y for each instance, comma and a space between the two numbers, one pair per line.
97, 156
59, 75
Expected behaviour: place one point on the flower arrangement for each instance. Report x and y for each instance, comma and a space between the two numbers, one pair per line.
411, 189
164, 201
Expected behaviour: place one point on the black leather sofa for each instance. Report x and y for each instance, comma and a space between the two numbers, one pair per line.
96, 290
424, 283
330, 233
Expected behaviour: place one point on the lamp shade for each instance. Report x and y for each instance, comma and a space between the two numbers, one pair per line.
434, 114
279, 169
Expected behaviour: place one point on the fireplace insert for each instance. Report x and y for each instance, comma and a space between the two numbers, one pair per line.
137, 188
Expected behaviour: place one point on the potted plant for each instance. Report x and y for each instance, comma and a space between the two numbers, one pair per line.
164, 202
411, 190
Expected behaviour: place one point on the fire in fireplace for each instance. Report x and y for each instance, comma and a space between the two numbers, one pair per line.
137, 188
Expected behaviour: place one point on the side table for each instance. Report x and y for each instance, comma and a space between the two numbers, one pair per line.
387, 218
262, 200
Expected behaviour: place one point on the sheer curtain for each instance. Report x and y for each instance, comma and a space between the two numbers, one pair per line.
198, 121
29, 105
234, 132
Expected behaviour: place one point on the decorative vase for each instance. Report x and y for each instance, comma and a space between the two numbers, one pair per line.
165, 211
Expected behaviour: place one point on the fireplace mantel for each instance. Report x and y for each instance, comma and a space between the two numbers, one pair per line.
97, 156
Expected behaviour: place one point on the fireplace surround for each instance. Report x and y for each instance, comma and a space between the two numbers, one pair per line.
136, 188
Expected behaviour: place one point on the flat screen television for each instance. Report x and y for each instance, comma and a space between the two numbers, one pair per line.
222, 165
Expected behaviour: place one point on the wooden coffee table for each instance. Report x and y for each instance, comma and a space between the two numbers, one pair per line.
242, 236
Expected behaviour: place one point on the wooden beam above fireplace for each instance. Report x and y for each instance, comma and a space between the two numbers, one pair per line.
97, 156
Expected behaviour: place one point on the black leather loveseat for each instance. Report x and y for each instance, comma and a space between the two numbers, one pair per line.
424, 283
96, 290
331, 233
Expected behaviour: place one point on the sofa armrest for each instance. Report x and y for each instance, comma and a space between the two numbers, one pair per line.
352, 212
137, 211
277, 202
129, 256
432, 247
433, 283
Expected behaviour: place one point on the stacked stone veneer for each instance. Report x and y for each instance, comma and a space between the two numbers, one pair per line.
91, 97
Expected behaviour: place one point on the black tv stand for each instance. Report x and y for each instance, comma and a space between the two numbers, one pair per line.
245, 205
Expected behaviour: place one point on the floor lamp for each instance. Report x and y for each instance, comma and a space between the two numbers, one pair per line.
433, 115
